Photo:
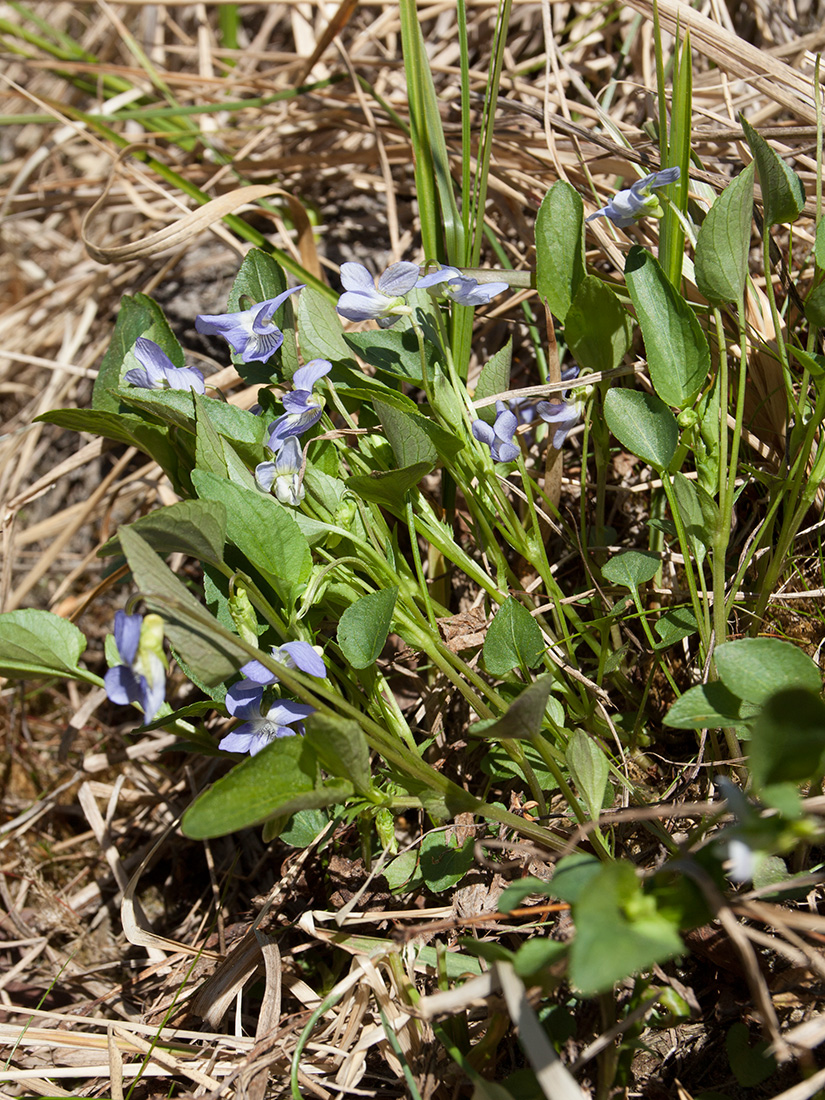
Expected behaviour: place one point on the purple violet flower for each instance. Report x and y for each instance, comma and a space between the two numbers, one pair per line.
158, 372
300, 655
562, 415
141, 678
284, 476
258, 729
303, 408
499, 435
252, 333
363, 302
461, 288
638, 201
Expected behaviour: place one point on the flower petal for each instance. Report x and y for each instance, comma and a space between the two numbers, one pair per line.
301, 655
239, 740
361, 306
399, 279
263, 313
306, 377
254, 670
265, 474
127, 635
243, 700
355, 277
284, 712
151, 356
483, 432
122, 685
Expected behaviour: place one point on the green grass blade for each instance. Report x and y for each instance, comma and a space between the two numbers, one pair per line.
672, 233
487, 125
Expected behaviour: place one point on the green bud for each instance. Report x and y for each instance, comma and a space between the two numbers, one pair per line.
687, 418
385, 827
243, 615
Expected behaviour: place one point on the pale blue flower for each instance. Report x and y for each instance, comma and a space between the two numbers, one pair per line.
285, 475
257, 729
638, 201
562, 415
158, 372
362, 301
300, 655
499, 435
141, 678
461, 288
252, 333
303, 408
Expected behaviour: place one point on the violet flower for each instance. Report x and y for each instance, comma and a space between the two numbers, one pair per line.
562, 415
303, 408
638, 201
141, 678
362, 301
499, 435
300, 655
251, 333
158, 372
283, 718
460, 288
284, 476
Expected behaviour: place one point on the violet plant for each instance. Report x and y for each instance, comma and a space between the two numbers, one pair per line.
387, 476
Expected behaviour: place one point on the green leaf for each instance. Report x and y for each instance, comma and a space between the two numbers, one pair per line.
597, 328
277, 782
320, 326
699, 512
445, 861
500, 766
783, 196
513, 896
643, 424
815, 306
400, 870
706, 705
524, 717
756, 668
394, 352
135, 317
514, 639
788, 739
722, 247
819, 245
341, 748
364, 626
304, 826
37, 643
494, 378
678, 356
589, 770
619, 931
560, 247
262, 529
750, 1064
407, 435
676, 624
259, 278
196, 528
415, 438
573, 875
209, 453
534, 958
212, 656
388, 487
631, 568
